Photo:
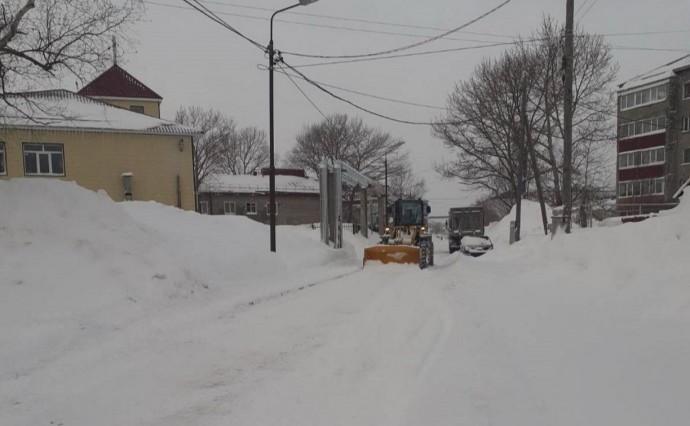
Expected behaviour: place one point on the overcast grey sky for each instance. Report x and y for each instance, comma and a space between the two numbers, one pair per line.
190, 60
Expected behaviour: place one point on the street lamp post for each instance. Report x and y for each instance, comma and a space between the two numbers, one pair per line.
271, 168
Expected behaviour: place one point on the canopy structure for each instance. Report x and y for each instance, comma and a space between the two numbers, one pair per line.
332, 175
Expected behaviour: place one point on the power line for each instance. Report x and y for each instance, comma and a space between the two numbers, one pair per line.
489, 43
211, 15
654, 49
394, 33
410, 46
264, 68
588, 9
364, 21
481, 46
313, 83
583, 4
333, 27
404, 55
301, 91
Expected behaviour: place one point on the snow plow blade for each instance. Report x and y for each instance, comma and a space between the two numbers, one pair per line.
392, 254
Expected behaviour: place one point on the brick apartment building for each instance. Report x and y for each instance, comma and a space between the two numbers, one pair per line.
653, 138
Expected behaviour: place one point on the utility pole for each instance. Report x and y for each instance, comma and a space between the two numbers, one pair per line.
385, 169
568, 115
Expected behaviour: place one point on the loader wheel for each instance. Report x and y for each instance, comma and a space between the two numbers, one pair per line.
431, 255
423, 256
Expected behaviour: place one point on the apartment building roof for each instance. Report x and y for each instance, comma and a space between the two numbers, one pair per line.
657, 74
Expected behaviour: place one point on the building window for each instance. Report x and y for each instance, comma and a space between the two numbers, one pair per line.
44, 159
686, 155
686, 91
250, 208
637, 188
136, 108
641, 158
3, 166
638, 128
203, 207
643, 97
686, 123
268, 213
229, 207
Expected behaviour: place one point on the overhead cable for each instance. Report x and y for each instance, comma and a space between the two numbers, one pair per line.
383, 98
211, 15
368, 111
301, 91
409, 46
358, 20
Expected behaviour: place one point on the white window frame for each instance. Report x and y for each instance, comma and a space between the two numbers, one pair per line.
686, 124
250, 208
635, 188
229, 207
652, 94
268, 213
3, 159
626, 160
43, 151
648, 126
203, 207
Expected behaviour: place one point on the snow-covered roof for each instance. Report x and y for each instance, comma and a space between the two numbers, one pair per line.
251, 184
657, 74
65, 110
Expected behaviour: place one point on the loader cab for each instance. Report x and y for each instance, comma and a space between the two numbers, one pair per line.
410, 213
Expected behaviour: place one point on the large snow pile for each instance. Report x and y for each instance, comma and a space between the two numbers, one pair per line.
75, 265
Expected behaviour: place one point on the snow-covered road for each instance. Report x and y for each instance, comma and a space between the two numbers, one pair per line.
145, 315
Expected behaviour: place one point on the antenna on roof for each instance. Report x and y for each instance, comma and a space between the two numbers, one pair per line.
114, 51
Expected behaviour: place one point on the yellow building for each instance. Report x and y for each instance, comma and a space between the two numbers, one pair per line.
101, 146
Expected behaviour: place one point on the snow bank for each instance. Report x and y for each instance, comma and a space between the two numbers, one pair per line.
499, 232
75, 266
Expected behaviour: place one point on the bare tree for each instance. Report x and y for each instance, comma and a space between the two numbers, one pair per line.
49, 39
497, 123
405, 184
485, 132
247, 152
593, 124
210, 151
507, 122
339, 137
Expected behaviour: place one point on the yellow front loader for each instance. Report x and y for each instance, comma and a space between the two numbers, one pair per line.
407, 239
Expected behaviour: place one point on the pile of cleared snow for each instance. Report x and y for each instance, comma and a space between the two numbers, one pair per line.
74, 264
61, 245
531, 224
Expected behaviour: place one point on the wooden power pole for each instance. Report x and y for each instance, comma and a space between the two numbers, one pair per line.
568, 115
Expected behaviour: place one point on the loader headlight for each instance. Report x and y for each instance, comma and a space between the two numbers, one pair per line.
423, 229
388, 229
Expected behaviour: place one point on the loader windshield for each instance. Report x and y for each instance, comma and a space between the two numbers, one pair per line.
409, 213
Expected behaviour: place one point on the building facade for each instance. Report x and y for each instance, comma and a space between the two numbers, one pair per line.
111, 140
653, 138
297, 197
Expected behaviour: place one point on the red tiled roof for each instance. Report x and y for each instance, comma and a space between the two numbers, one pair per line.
117, 82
